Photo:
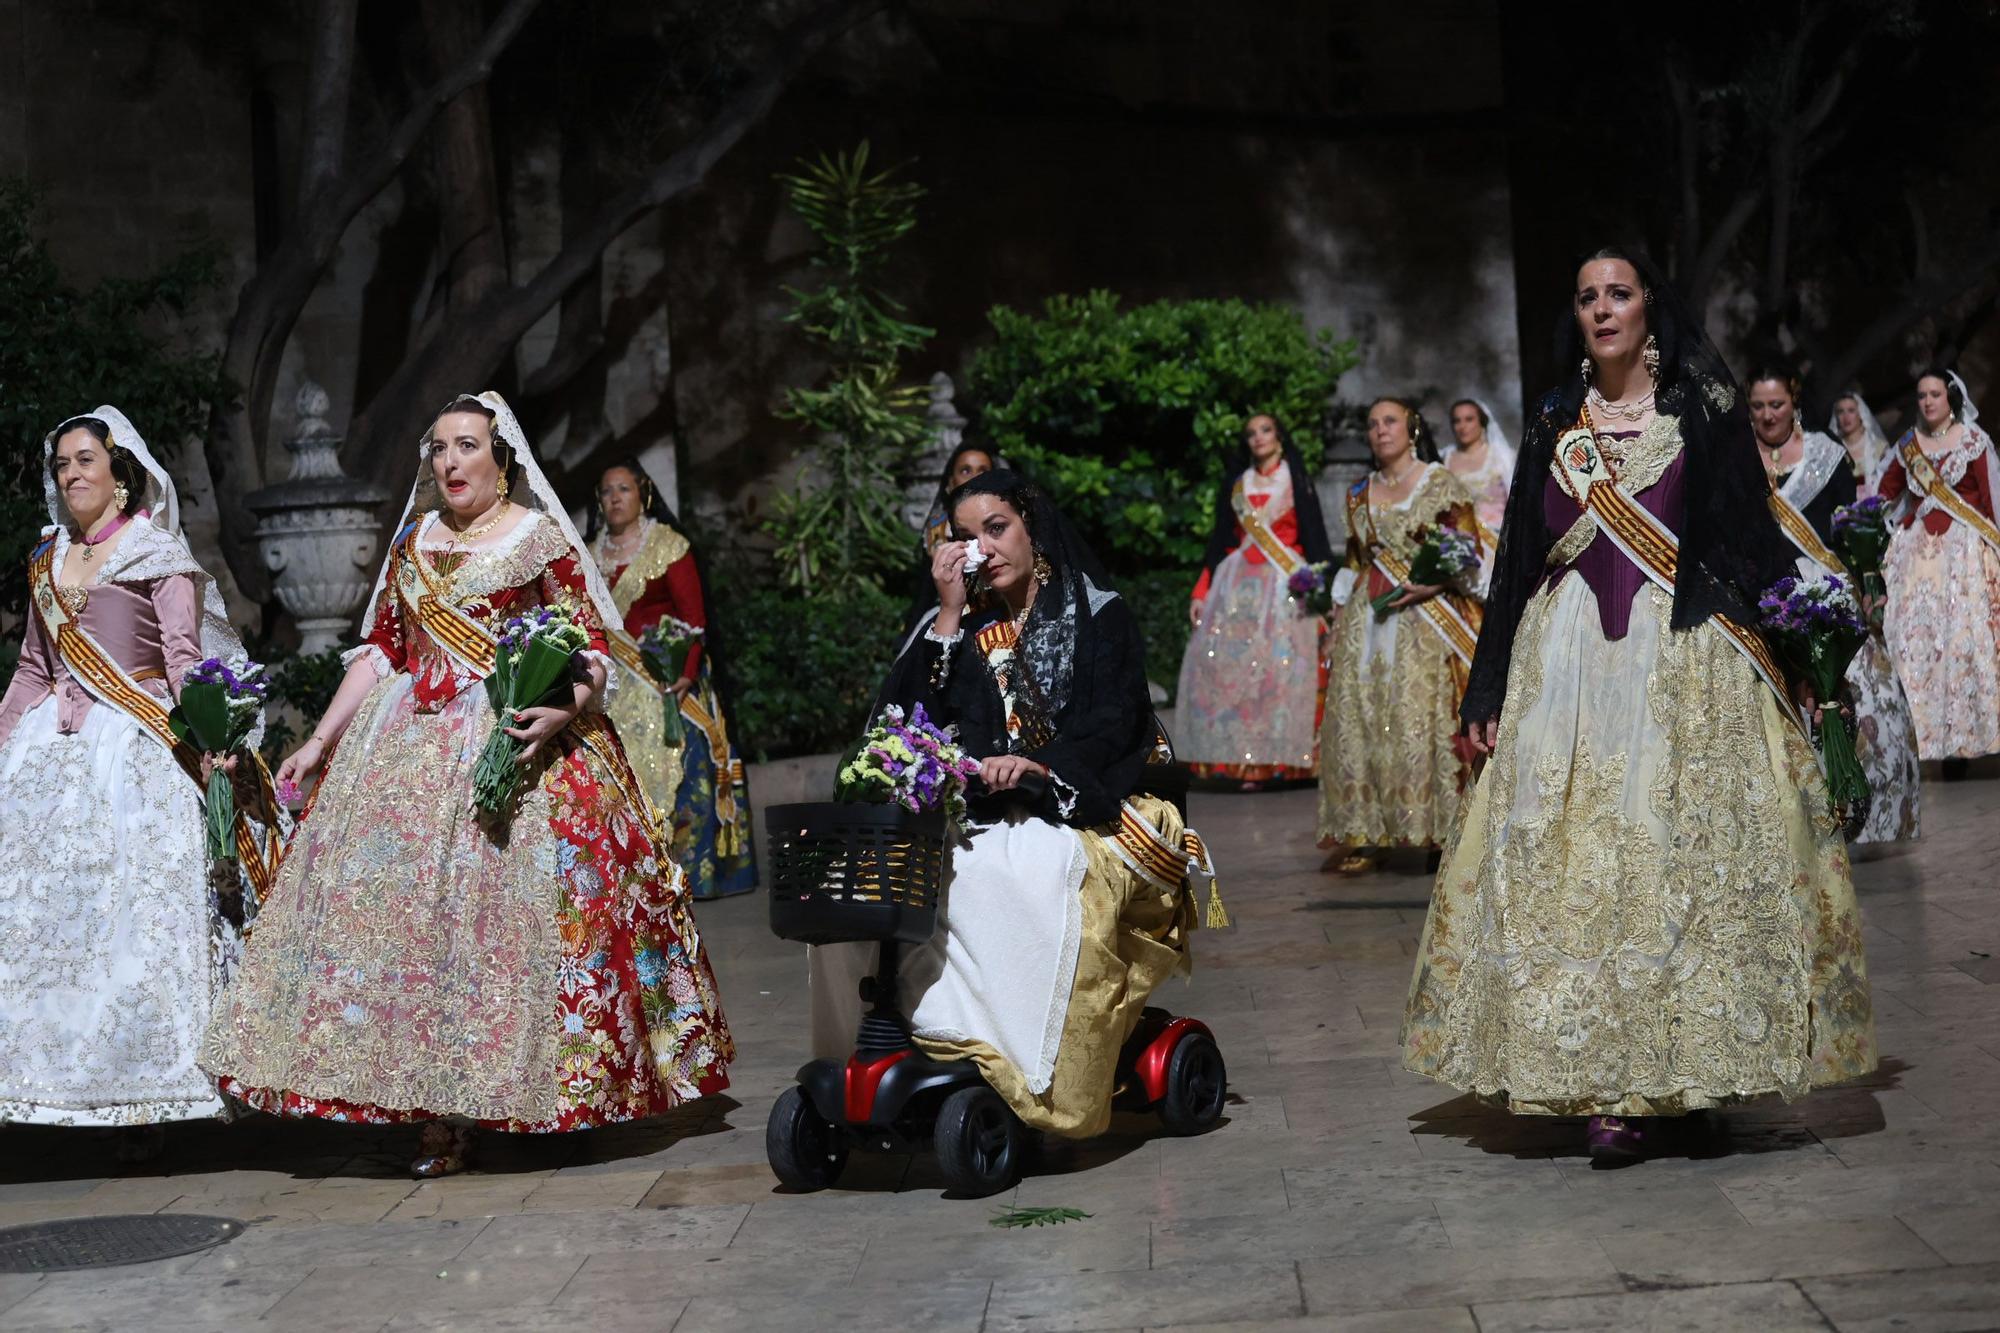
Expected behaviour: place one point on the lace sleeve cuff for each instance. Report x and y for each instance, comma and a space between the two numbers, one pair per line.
941, 667
601, 698
375, 658
1066, 795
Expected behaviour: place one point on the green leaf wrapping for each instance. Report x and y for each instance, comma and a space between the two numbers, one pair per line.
220, 809
209, 720
518, 681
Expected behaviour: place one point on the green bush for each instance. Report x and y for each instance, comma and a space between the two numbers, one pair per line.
1159, 601
301, 686
804, 670
1130, 417
64, 350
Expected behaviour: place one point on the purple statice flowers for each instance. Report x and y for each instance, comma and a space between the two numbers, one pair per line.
907, 760
1823, 605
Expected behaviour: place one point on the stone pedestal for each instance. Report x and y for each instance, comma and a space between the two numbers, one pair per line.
947, 433
319, 531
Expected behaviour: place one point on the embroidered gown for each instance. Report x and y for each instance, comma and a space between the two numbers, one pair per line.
1247, 705
1389, 772
698, 786
1488, 485
1647, 908
412, 961
113, 944
1059, 921
1885, 736
1942, 622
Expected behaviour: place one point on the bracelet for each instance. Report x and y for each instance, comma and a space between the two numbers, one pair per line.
321, 739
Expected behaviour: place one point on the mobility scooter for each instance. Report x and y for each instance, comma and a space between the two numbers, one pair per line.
844, 873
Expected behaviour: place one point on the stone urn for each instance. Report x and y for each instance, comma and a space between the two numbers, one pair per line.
319, 531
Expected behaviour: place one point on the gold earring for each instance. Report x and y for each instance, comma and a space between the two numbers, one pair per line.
1651, 356
120, 496
1043, 570
501, 486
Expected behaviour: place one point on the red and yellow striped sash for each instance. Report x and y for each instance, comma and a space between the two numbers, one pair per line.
1801, 533
1924, 475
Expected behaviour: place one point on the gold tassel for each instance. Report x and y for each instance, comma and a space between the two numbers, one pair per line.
1218, 915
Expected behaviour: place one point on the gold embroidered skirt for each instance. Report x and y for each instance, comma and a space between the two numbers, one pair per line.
1388, 775
1647, 909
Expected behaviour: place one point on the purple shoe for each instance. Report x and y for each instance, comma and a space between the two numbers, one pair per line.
1615, 1141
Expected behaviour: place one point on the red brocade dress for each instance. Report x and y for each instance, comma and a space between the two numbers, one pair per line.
413, 960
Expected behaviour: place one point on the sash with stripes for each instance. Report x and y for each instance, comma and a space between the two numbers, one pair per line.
1284, 557
1801, 532
473, 647
699, 709
1924, 476
1453, 619
1147, 853
109, 684
1648, 543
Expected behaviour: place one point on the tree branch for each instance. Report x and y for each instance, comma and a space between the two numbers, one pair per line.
329, 87
1923, 298
469, 344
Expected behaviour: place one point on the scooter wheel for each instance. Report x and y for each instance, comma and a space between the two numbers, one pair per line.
980, 1142
1197, 1083
806, 1152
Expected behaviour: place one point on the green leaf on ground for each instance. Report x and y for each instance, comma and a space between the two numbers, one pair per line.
1037, 1217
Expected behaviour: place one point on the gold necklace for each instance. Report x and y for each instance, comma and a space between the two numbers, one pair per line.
626, 548
464, 539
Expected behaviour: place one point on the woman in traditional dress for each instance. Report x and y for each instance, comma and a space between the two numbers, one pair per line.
1060, 920
118, 933
417, 961
1855, 427
1942, 572
1647, 908
966, 462
1248, 698
1812, 479
697, 784
1482, 460
1389, 772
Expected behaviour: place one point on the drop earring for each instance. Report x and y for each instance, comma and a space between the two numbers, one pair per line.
1586, 368
1651, 356
500, 488
120, 496
1043, 571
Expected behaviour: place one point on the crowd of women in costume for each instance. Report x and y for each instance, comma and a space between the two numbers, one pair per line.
1643, 906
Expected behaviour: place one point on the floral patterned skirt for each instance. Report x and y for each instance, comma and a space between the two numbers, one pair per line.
1886, 743
718, 854
1647, 909
1247, 705
1942, 627
1389, 775
413, 962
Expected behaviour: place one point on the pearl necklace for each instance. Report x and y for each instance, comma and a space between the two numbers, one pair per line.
1632, 411
1399, 478
621, 551
1941, 432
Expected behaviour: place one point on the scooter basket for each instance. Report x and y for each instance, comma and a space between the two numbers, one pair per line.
848, 872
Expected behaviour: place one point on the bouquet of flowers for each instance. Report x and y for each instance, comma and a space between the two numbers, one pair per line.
1861, 536
1311, 586
1445, 554
532, 663
217, 712
664, 648
1817, 625
906, 760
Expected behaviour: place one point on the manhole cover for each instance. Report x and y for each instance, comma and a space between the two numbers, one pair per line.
106, 1242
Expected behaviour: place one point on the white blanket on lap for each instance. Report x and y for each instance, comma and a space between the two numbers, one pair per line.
1001, 963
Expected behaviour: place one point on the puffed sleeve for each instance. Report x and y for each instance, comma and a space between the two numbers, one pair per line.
177, 604
33, 678
675, 592
384, 646
1978, 485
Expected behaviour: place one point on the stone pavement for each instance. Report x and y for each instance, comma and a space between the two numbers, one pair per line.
1340, 1193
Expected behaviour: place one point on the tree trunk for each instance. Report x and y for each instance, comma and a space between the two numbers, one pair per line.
472, 237
333, 191
473, 342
